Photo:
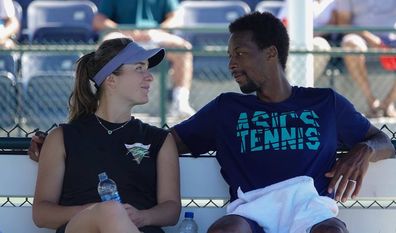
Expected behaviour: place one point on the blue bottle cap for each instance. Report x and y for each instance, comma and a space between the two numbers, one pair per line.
102, 176
189, 214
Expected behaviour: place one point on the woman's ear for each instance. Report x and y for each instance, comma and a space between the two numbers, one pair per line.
110, 81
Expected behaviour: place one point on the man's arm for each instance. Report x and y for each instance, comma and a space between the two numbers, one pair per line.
352, 167
38, 140
11, 27
172, 19
101, 22
344, 18
381, 143
181, 147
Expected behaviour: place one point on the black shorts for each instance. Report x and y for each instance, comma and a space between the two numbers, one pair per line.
254, 226
61, 229
334, 219
146, 229
258, 229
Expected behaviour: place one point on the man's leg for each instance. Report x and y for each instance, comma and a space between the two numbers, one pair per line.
235, 224
332, 225
181, 72
356, 65
387, 104
181, 77
320, 60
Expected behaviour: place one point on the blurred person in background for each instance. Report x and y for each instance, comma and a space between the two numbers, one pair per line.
369, 13
9, 24
323, 14
252, 3
154, 13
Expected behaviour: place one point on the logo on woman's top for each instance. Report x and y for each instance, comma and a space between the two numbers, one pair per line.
138, 151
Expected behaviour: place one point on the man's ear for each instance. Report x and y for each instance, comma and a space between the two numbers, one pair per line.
271, 52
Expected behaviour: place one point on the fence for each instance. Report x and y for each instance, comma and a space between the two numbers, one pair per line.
352, 210
36, 80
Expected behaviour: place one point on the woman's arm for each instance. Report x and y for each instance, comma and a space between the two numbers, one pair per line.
168, 191
46, 211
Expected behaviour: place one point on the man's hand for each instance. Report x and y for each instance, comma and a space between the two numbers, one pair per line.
350, 171
35, 145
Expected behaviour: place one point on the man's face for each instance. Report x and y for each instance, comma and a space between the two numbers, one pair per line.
246, 61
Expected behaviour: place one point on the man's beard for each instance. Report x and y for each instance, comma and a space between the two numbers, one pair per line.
249, 87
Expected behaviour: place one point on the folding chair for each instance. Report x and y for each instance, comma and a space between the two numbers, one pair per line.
8, 103
210, 14
273, 7
46, 87
217, 14
61, 21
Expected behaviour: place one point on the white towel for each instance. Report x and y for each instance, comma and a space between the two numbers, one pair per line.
290, 206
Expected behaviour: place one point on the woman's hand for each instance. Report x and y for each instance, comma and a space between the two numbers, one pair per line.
136, 216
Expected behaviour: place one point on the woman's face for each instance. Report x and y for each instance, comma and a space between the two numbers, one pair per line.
134, 82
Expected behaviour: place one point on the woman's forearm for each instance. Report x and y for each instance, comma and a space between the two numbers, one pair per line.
49, 215
163, 214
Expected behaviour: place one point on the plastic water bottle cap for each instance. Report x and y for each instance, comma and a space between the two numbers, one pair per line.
188, 215
102, 176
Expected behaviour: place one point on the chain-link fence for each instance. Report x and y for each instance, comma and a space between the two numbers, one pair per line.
35, 83
36, 80
12, 144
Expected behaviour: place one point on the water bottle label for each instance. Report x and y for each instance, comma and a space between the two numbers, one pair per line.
108, 197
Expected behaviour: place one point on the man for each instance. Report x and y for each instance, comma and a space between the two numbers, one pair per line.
9, 24
368, 14
280, 133
154, 13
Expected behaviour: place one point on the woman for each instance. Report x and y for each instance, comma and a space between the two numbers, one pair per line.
101, 136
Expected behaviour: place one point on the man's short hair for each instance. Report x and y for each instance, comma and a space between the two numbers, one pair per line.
267, 31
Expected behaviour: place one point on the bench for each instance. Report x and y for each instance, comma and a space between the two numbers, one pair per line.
204, 193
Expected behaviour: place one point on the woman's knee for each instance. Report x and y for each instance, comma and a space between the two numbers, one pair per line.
108, 209
100, 216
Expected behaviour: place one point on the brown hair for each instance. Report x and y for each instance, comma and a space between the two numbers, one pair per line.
83, 101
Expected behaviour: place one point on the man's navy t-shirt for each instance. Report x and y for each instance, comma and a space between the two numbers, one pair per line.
259, 143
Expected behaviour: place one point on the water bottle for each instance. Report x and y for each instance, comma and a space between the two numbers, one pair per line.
107, 188
188, 225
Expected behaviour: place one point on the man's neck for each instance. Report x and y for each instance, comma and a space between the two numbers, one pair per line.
276, 91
